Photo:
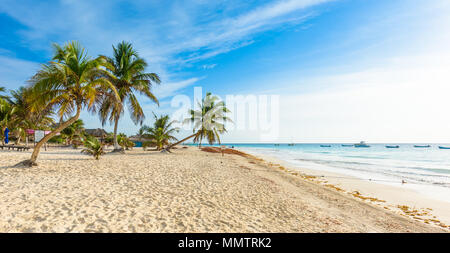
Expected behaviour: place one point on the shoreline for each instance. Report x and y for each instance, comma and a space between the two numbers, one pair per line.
395, 197
187, 190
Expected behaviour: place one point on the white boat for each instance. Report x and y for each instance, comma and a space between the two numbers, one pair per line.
362, 144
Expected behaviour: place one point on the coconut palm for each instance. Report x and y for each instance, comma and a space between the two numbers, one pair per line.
23, 117
3, 97
124, 141
71, 82
161, 132
93, 147
6, 112
4, 101
142, 131
128, 68
208, 121
74, 131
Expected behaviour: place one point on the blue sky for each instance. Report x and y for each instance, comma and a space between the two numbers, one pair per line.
345, 70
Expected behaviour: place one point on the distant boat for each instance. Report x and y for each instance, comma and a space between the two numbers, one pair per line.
347, 145
292, 142
392, 146
361, 145
441, 147
325, 146
422, 146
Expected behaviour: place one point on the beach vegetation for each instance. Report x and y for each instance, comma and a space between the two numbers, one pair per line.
74, 133
70, 82
125, 142
17, 116
130, 78
161, 133
58, 139
6, 112
208, 121
92, 146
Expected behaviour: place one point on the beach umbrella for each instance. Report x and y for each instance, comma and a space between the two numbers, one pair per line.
6, 135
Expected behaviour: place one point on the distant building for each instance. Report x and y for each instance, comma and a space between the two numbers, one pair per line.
97, 133
138, 140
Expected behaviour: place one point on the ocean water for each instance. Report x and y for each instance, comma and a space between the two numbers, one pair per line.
425, 170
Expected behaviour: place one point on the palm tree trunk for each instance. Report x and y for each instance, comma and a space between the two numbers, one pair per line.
32, 161
183, 140
2, 136
116, 144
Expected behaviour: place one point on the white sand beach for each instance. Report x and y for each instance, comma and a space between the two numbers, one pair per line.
394, 198
185, 191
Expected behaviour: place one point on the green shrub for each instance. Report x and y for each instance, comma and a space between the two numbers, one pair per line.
93, 147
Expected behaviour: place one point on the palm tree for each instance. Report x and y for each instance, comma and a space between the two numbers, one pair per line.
209, 121
3, 97
4, 102
23, 117
161, 132
141, 132
71, 82
124, 141
74, 131
128, 68
6, 112
93, 147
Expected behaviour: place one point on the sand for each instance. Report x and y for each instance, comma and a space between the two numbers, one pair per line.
395, 197
185, 191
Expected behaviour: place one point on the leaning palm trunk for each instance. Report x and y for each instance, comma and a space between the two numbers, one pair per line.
32, 161
173, 145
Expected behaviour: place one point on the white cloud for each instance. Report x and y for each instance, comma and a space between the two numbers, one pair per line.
209, 66
170, 89
193, 28
264, 15
14, 72
180, 28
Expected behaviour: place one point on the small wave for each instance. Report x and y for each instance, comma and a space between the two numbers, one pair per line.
364, 157
410, 164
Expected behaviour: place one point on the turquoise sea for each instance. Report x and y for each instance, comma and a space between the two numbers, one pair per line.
426, 170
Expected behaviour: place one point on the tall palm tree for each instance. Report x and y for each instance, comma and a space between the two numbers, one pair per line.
128, 68
71, 82
209, 121
162, 131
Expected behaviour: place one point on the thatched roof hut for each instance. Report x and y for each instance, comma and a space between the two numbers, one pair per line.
98, 133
